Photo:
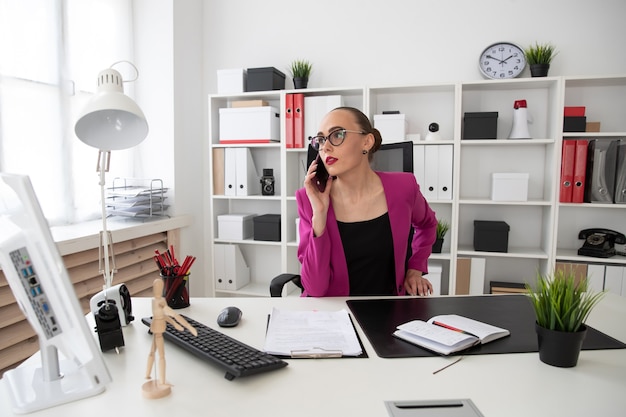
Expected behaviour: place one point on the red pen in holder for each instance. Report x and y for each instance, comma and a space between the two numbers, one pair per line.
176, 290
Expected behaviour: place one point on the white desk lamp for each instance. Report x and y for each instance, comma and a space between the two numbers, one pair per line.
110, 121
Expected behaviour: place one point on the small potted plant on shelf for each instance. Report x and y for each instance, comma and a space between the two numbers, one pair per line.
539, 56
300, 71
561, 304
442, 229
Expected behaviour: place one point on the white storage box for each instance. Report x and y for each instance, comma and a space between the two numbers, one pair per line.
249, 125
392, 127
508, 186
434, 276
235, 226
231, 81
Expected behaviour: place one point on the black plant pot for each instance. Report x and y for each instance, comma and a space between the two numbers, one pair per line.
437, 246
539, 70
300, 82
560, 348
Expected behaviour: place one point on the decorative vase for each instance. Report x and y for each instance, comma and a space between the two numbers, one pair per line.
558, 348
300, 82
437, 246
539, 70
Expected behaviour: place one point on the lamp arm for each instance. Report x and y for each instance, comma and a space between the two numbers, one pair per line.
106, 243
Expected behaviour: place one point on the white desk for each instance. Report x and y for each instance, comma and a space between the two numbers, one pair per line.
500, 385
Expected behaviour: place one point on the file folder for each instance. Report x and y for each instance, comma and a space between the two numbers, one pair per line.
567, 170
298, 120
580, 171
289, 142
231, 271
418, 165
444, 174
219, 267
620, 177
601, 165
431, 170
316, 108
218, 171
230, 172
246, 176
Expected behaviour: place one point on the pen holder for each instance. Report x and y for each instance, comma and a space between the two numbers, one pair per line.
176, 290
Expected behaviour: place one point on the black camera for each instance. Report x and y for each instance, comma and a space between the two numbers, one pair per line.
267, 182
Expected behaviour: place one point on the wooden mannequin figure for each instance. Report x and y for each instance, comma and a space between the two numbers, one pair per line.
161, 315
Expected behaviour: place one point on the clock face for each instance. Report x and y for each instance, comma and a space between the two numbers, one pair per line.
502, 60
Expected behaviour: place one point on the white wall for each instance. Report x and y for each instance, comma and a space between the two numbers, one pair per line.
366, 42
351, 43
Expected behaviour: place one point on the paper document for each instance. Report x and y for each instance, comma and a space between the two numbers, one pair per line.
315, 334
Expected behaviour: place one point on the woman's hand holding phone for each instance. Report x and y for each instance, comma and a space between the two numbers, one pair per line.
318, 184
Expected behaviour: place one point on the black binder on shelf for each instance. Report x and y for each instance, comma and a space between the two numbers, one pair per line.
620, 175
601, 165
379, 318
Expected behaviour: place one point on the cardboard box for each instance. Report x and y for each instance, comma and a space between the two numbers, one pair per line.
267, 227
491, 236
509, 186
574, 124
392, 127
251, 124
265, 79
592, 127
480, 125
231, 81
235, 226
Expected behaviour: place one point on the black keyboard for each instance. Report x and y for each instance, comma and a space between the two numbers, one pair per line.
213, 346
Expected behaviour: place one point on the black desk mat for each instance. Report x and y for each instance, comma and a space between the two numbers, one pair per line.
379, 318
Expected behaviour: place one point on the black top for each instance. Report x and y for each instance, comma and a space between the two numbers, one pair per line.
368, 246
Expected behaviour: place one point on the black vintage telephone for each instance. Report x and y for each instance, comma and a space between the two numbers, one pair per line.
599, 243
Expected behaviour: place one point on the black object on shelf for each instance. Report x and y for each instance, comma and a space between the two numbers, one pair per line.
265, 79
480, 125
491, 236
267, 227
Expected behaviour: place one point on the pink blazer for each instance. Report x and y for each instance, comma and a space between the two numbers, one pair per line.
324, 269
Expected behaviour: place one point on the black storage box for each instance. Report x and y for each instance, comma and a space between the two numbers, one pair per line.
265, 79
575, 124
480, 125
491, 236
267, 227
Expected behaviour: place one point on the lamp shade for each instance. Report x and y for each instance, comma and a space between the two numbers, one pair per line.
111, 120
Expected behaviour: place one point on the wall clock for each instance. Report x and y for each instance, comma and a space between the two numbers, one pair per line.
502, 60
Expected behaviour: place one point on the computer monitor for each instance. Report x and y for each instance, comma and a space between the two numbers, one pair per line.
394, 157
72, 366
391, 157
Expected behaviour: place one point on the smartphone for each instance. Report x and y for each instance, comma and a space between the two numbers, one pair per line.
321, 175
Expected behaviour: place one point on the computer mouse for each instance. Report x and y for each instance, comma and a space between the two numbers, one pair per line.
229, 317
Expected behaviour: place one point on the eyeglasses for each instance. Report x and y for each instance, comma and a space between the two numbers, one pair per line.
335, 138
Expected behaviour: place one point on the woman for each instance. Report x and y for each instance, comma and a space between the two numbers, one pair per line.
354, 235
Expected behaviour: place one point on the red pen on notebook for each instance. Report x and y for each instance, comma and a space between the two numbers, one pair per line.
446, 326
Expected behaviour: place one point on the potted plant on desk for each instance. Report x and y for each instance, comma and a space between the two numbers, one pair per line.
300, 71
539, 57
561, 304
442, 229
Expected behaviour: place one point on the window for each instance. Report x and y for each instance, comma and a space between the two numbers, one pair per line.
51, 52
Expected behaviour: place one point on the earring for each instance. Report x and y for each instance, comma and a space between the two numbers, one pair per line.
364, 152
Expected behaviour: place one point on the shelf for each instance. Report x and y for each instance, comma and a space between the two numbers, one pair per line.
542, 230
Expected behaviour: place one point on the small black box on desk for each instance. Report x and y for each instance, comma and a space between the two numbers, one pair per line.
480, 125
491, 236
265, 79
267, 227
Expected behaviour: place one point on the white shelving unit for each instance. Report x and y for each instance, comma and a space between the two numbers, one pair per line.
542, 231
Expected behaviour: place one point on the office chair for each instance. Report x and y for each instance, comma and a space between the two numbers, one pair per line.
391, 157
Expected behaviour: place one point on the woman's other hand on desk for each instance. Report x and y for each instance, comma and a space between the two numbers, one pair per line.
416, 284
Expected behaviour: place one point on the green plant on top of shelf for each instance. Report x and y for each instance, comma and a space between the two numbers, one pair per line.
300, 68
540, 53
